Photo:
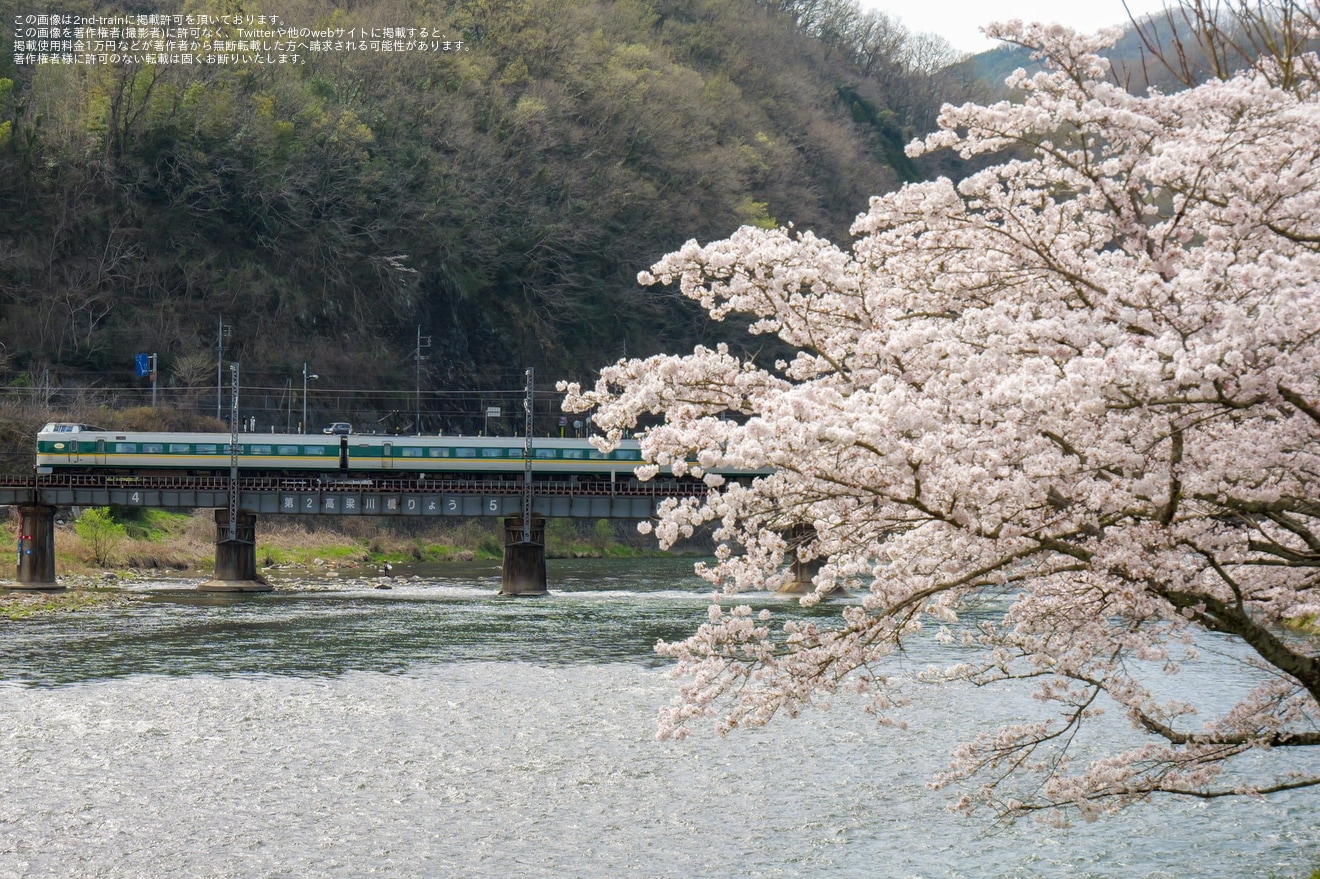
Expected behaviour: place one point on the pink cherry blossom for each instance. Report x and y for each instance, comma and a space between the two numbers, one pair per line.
1083, 383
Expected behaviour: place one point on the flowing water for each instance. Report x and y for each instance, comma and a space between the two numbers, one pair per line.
433, 729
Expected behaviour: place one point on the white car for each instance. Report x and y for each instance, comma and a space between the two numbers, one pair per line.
339, 428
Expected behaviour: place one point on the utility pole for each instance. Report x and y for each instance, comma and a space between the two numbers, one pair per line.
146, 366
221, 336
233, 452
422, 341
303, 427
528, 403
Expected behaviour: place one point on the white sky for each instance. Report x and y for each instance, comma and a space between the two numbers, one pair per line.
958, 20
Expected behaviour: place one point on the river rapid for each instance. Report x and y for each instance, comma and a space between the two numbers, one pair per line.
432, 729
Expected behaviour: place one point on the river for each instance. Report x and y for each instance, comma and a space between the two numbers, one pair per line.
433, 729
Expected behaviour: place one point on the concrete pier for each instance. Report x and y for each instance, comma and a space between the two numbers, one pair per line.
36, 547
235, 560
523, 571
803, 570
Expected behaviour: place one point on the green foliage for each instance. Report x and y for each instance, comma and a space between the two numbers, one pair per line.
101, 533
756, 213
145, 523
503, 197
892, 138
602, 534
578, 538
561, 536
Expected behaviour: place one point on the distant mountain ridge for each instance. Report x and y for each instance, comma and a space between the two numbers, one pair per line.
1163, 50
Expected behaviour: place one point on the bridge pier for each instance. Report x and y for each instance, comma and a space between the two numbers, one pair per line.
523, 570
235, 560
36, 547
803, 570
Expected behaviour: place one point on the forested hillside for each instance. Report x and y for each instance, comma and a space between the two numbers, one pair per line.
502, 194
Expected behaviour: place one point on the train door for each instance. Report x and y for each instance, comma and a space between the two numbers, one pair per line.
100, 452
386, 456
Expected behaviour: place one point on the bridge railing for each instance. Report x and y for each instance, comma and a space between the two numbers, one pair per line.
552, 487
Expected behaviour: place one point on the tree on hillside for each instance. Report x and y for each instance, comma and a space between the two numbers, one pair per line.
1082, 385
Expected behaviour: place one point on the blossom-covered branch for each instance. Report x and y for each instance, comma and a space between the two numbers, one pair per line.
1083, 383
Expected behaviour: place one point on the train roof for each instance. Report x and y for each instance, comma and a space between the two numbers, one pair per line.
71, 427
318, 439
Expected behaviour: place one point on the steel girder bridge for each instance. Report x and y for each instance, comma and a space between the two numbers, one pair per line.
38, 496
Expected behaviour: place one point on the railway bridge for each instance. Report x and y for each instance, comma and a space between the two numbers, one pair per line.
38, 496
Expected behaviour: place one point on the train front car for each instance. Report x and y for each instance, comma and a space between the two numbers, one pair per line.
68, 447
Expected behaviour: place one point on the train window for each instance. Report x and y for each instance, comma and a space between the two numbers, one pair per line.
628, 455
153, 448
515, 453
205, 448
545, 453
258, 450
410, 453
492, 453
438, 453
286, 450
126, 448
575, 454
465, 452
180, 448
595, 455
311, 450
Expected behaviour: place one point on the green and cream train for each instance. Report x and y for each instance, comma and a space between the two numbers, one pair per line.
66, 447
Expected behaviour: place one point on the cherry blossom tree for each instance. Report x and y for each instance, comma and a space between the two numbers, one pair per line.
1063, 416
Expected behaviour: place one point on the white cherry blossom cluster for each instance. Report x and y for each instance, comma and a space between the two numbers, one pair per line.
1083, 384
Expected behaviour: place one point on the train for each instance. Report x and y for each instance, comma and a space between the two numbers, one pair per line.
75, 448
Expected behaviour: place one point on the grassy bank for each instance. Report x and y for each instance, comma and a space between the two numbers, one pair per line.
157, 541
20, 605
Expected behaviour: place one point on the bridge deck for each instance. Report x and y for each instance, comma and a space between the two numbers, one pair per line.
370, 497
